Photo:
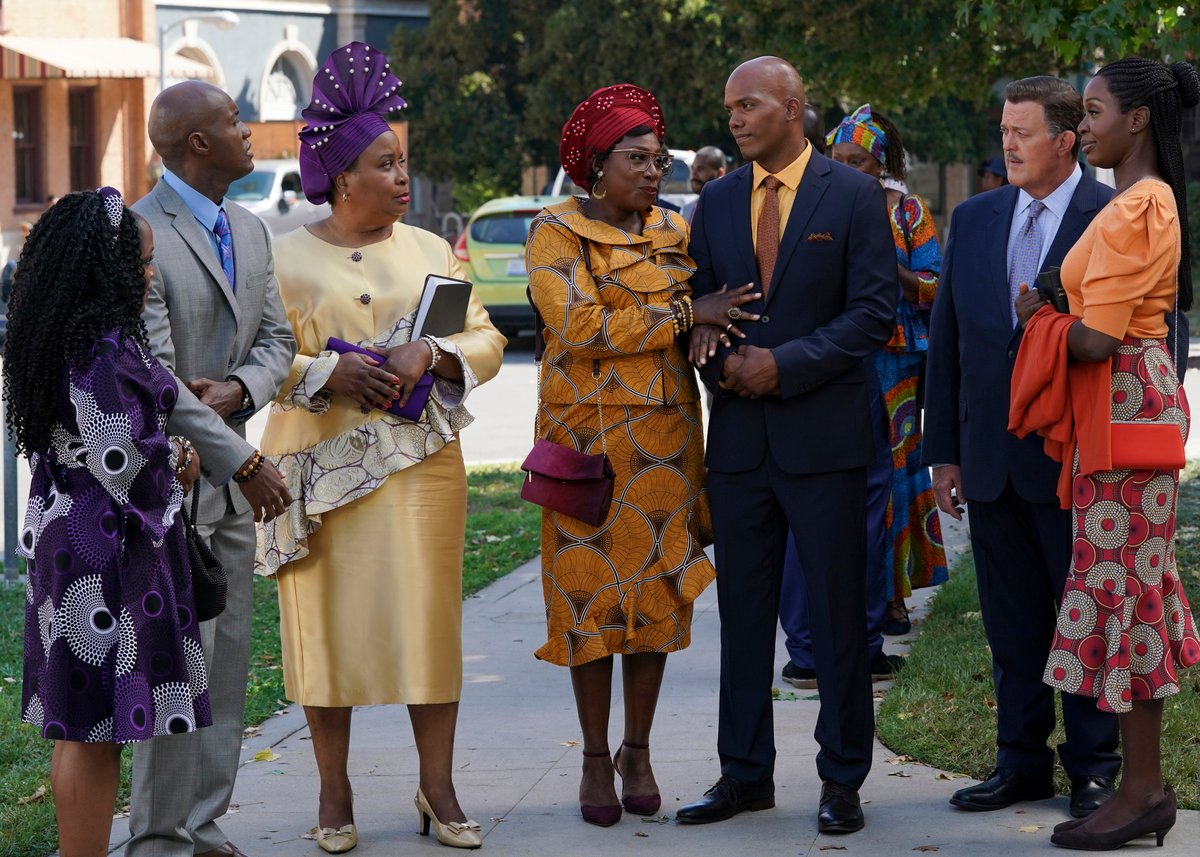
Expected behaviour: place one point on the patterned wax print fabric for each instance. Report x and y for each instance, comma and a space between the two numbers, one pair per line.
112, 646
628, 585
1125, 626
916, 556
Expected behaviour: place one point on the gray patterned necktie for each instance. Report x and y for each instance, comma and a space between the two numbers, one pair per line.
1026, 255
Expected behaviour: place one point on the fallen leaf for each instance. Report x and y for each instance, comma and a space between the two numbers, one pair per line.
944, 776
640, 833
898, 760
312, 834
38, 794
832, 848
1030, 828
9, 679
903, 715
655, 819
267, 755
783, 695
926, 848
252, 731
900, 774
496, 819
568, 743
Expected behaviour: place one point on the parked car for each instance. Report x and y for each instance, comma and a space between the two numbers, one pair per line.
676, 188
273, 192
492, 251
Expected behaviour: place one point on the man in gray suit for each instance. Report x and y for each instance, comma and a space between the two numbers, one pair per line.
216, 321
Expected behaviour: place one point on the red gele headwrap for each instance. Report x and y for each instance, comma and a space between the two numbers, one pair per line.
598, 123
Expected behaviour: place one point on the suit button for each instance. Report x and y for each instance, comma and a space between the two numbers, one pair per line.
1011, 354
766, 319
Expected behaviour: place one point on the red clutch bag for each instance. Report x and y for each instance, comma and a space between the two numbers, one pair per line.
1147, 446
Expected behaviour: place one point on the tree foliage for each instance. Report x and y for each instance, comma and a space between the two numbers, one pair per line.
491, 82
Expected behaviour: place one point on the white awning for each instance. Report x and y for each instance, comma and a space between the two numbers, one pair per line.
29, 58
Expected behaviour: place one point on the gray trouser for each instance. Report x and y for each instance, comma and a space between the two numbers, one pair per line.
182, 783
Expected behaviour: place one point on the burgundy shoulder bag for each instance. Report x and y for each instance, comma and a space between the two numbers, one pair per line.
560, 477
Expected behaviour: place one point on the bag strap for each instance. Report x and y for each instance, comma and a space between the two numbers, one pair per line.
905, 229
539, 349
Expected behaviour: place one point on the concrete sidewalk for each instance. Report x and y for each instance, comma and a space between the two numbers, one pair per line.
518, 761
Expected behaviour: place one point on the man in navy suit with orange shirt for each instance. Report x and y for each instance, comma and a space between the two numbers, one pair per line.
789, 435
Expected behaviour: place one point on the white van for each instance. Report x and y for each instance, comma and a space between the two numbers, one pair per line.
273, 192
676, 188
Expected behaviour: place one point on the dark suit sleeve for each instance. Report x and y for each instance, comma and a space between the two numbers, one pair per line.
704, 282
939, 444
866, 323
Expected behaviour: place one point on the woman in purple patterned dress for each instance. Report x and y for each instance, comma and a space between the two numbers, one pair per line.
112, 650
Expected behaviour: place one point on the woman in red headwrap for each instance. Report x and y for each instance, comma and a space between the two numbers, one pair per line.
609, 275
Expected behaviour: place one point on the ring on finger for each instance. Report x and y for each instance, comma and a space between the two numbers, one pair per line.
728, 326
734, 313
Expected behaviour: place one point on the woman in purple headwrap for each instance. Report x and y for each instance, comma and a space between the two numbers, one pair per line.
609, 275
369, 557
112, 642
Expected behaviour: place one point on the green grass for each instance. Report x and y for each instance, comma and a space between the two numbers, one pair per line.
942, 709
502, 532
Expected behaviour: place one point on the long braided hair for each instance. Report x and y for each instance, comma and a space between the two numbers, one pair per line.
77, 279
1164, 90
893, 154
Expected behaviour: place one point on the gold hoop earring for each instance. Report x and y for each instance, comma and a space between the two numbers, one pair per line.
599, 191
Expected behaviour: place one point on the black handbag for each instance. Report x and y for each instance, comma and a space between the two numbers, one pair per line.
209, 583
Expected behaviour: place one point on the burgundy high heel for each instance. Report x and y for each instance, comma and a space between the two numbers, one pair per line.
636, 804
601, 816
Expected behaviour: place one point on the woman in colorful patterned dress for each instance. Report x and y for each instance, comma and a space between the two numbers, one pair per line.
369, 557
609, 274
870, 143
112, 646
1125, 626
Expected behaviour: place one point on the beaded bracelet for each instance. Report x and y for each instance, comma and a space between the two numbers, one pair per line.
250, 470
434, 350
185, 457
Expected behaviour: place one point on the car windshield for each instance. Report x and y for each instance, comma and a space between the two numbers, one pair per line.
679, 181
509, 227
251, 188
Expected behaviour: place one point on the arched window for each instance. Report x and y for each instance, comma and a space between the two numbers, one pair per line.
287, 79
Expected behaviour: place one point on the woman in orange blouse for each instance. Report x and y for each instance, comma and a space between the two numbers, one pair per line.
609, 275
1125, 625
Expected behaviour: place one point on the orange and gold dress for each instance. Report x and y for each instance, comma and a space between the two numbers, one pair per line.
627, 585
1125, 624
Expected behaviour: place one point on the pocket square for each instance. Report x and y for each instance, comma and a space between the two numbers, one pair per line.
819, 236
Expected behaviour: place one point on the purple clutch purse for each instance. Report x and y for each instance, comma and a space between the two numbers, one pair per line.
416, 399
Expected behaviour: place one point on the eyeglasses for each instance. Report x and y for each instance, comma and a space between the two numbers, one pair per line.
640, 160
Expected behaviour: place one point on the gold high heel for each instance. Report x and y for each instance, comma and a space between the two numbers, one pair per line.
456, 834
339, 841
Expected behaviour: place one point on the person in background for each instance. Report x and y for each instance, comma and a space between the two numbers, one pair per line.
369, 557
1125, 628
214, 319
112, 646
992, 174
1021, 539
814, 128
609, 276
708, 164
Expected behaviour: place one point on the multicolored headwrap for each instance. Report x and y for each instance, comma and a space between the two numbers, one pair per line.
860, 128
351, 94
598, 123
114, 206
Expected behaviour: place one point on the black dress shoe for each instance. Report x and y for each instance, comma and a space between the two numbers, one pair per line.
884, 667
841, 810
726, 799
799, 677
1002, 788
1087, 793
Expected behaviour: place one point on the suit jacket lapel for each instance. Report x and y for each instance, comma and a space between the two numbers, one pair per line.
739, 223
808, 195
1074, 222
190, 230
996, 280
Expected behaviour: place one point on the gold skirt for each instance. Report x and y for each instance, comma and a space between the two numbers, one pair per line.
373, 614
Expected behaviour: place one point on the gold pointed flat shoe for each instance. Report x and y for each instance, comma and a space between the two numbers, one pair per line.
339, 841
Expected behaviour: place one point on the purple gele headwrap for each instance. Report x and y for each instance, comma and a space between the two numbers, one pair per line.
351, 94
861, 129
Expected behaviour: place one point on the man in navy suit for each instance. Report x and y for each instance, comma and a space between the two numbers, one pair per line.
790, 432
1020, 538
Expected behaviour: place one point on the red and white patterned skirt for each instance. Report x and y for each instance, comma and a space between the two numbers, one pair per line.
1125, 624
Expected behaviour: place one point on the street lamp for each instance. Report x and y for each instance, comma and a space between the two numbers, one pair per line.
222, 20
